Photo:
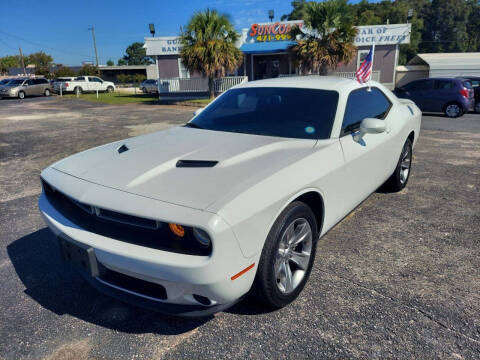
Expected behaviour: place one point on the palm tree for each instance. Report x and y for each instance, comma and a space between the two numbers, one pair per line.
326, 40
209, 46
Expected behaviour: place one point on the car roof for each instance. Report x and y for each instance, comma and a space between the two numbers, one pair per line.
335, 83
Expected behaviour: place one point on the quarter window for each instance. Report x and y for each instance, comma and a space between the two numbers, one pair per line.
443, 84
363, 104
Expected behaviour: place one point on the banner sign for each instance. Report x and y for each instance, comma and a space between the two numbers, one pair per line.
383, 34
278, 31
166, 45
366, 36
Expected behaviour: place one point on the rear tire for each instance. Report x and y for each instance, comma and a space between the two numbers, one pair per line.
77, 90
400, 176
477, 107
453, 110
286, 262
144, 90
21, 95
47, 92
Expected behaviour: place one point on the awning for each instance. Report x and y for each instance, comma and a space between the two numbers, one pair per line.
266, 47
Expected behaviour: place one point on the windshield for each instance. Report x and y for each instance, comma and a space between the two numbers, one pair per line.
15, 82
276, 111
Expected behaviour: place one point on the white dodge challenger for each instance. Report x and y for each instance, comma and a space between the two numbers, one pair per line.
189, 220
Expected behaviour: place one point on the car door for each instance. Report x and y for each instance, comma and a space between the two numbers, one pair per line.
96, 83
368, 162
29, 89
443, 93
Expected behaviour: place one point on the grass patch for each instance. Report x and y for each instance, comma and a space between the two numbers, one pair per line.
119, 98
116, 98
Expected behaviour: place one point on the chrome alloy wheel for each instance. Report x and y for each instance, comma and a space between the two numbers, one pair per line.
453, 110
405, 163
293, 255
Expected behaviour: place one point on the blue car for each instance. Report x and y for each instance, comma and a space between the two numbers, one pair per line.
452, 96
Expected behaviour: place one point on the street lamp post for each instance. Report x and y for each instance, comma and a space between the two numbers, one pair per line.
271, 15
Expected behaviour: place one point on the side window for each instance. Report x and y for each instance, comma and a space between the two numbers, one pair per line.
31, 82
80, 78
363, 104
443, 84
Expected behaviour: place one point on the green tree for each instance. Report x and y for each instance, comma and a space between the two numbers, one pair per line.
121, 62
208, 46
8, 62
90, 70
43, 62
446, 26
298, 12
64, 71
122, 78
110, 62
473, 26
135, 54
328, 38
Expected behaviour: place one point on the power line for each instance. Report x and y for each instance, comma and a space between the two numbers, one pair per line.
44, 46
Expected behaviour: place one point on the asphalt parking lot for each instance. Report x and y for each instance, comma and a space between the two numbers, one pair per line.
398, 278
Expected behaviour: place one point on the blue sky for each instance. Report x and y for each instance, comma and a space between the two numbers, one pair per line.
60, 27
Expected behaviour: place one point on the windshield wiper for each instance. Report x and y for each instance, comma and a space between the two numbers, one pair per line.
193, 125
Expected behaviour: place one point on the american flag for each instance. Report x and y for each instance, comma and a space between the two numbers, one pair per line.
365, 70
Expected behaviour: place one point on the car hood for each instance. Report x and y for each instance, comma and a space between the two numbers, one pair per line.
147, 165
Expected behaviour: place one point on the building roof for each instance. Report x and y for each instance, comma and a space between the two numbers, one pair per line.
448, 60
122, 67
266, 47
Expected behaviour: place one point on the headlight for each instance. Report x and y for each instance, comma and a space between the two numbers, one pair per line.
202, 237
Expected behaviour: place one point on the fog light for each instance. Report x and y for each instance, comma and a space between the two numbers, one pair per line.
177, 229
202, 299
202, 237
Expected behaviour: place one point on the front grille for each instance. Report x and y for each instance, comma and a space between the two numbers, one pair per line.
123, 227
129, 283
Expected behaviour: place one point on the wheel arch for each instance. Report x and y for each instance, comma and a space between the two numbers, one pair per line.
313, 198
411, 136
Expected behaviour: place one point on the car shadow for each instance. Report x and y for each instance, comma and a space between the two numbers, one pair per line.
60, 289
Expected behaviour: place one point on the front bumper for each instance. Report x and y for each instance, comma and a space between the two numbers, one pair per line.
9, 94
182, 276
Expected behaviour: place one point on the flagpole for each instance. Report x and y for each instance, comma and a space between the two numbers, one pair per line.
371, 74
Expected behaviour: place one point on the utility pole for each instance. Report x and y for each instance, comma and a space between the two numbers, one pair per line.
94, 43
22, 62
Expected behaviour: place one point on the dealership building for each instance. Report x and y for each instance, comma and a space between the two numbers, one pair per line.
265, 48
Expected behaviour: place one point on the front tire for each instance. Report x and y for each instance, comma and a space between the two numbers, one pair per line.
47, 92
287, 257
400, 176
109, 89
21, 95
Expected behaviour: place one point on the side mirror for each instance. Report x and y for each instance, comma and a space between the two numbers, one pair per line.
370, 126
198, 111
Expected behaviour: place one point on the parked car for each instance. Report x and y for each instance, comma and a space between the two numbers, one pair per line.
58, 82
190, 219
25, 87
149, 86
475, 81
452, 96
88, 84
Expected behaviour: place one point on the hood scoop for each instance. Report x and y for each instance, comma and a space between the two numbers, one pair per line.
196, 163
122, 149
